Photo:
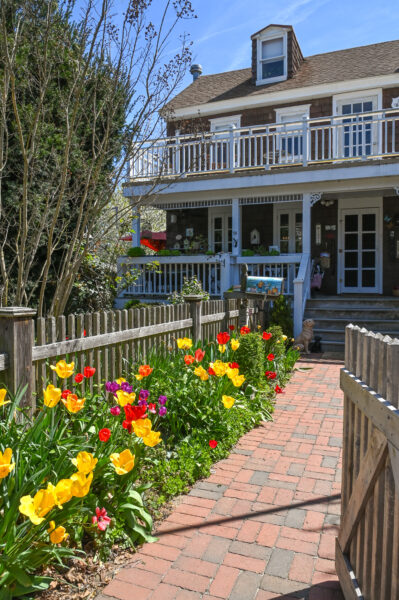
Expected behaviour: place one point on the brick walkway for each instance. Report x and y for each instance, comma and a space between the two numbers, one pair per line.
263, 525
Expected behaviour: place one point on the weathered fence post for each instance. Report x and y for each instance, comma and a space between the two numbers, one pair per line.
16, 339
195, 303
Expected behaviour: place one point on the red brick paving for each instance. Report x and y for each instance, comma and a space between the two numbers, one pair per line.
263, 525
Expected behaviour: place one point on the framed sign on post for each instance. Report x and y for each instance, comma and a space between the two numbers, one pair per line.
270, 286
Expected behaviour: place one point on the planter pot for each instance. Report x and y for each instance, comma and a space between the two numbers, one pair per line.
395, 292
192, 297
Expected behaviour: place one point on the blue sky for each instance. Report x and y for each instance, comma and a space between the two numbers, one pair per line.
221, 33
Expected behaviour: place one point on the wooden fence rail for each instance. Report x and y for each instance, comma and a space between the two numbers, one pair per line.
367, 548
109, 341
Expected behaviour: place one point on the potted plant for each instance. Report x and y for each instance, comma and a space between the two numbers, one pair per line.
395, 290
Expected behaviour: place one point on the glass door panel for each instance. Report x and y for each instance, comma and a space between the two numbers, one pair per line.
358, 133
221, 231
290, 231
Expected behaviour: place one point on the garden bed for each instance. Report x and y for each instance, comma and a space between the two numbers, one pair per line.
89, 472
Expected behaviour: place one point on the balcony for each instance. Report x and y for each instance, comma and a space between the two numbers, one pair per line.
328, 140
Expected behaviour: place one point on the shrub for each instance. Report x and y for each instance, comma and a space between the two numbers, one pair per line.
281, 314
136, 251
251, 357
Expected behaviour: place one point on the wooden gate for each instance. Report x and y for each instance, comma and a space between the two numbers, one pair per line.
367, 548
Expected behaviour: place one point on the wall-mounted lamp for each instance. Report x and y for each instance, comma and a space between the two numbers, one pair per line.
173, 218
327, 202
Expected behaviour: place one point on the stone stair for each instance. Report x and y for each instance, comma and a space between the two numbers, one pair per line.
332, 313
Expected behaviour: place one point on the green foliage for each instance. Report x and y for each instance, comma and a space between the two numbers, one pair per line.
190, 287
138, 304
250, 357
136, 251
281, 314
248, 253
167, 252
93, 289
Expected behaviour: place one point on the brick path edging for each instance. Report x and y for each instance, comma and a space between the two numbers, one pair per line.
263, 525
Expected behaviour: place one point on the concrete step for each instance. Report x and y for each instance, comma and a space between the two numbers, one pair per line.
339, 322
363, 313
339, 334
373, 301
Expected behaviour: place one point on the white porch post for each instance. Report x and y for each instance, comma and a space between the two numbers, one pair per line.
236, 215
136, 233
306, 223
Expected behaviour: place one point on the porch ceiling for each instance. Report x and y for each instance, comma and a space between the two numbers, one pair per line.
201, 203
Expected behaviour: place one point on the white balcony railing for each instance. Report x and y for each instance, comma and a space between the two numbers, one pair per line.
329, 139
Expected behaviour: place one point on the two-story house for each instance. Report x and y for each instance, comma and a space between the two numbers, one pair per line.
291, 162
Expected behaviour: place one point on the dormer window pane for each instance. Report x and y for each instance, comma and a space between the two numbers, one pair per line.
272, 48
273, 68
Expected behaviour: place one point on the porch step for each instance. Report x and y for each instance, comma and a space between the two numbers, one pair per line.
333, 313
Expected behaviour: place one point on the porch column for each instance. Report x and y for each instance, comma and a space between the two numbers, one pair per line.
136, 233
236, 240
236, 227
306, 223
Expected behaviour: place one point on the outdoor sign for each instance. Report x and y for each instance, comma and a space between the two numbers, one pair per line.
271, 286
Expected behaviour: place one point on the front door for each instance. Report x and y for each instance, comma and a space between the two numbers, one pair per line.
220, 229
360, 251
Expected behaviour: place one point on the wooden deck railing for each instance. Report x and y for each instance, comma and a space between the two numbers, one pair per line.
109, 341
310, 141
367, 549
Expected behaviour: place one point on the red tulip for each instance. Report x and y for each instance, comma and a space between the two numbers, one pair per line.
223, 338
213, 443
133, 413
104, 434
278, 389
189, 359
271, 374
78, 377
234, 365
65, 393
199, 355
211, 371
89, 372
231, 327
244, 330
266, 335
270, 356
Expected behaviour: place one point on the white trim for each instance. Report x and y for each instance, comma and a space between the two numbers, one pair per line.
224, 213
287, 111
271, 34
292, 95
234, 120
353, 204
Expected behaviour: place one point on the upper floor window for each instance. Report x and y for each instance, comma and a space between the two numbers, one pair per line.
272, 58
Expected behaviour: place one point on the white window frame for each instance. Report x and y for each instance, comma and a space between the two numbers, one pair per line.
234, 120
375, 95
291, 208
266, 37
298, 113
224, 212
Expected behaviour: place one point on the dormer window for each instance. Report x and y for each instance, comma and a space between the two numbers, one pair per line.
272, 62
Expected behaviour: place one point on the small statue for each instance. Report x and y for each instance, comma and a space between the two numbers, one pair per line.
244, 277
305, 337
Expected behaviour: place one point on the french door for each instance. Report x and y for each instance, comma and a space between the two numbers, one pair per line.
288, 229
220, 222
358, 136
360, 251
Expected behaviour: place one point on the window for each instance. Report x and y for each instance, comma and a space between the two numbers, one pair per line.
272, 57
291, 138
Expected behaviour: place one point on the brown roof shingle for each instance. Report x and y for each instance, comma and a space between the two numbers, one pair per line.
341, 65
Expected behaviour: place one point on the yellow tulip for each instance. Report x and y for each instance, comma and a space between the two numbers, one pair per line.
231, 372
219, 367
201, 373
63, 369
283, 337
228, 401
6, 466
222, 348
3, 393
235, 344
36, 508
52, 395
124, 398
81, 484
120, 380
62, 492
139, 377
84, 462
152, 439
142, 427
184, 343
73, 403
123, 462
57, 534
238, 380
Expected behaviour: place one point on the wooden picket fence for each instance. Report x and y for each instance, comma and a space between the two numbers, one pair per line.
367, 548
109, 341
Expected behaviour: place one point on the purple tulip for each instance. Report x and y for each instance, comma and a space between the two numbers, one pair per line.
142, 402
112, 387
143, 394
162, 400
115, 410
126, 387
162, 411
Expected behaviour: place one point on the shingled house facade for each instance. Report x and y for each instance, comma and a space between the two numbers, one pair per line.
287, 164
